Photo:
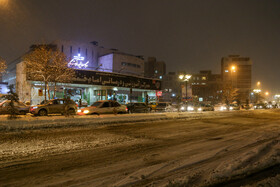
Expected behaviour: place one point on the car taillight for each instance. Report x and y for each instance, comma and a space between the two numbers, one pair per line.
126, 109
77, 105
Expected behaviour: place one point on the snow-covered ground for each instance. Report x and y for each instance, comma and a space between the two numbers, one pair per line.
184, 149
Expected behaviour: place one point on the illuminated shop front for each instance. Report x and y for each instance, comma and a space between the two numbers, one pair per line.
101, 74
90, 86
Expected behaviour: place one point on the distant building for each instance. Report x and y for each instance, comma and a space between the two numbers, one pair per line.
206, 86
171, 87
154, 68
237, 71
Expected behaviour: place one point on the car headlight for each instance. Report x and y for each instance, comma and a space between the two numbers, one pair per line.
182, 108
86, 111
199, 109
260, 106
79, 110
231, 108
222, 108
255, 106
34, 107
190, 108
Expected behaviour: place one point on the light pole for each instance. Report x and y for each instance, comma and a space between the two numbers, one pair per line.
233, 68
185, 78
257, 93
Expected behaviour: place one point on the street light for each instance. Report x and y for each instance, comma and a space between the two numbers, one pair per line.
185, 78
257, 93
257, 90
233, 69
266, 93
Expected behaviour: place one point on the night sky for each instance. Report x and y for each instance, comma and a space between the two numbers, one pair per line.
189, 35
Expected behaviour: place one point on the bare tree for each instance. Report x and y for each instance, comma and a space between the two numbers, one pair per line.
61, 71
229, 94
48, 65
3, 66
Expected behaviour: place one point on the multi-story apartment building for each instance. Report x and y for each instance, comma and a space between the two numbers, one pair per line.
206, 86
237, 71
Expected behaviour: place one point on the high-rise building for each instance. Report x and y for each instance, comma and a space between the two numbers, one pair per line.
237, 71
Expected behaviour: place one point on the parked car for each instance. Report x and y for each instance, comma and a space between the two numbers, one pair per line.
162, 106
55, 106
173, 108
260, 106
103, 107
234, 107
137, 107
153, 105
220, 107
20, 107
247, 106
205, 107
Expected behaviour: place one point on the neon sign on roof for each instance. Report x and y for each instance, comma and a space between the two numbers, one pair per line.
77, 61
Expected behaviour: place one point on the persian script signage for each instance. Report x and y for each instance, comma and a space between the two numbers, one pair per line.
112, 79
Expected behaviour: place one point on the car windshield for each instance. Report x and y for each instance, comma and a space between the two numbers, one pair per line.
96, 104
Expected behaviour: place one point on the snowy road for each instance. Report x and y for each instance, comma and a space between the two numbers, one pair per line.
229, 149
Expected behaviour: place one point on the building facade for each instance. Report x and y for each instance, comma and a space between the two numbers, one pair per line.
171, 87
154, 68
206, 86
123, 63
237, 71
100, 74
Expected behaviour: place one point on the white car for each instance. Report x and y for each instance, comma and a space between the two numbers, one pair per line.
220, 107
103, 107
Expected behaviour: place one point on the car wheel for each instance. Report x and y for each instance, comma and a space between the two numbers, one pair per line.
43, 112
71, 111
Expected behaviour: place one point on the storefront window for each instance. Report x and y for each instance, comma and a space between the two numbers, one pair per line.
100, 94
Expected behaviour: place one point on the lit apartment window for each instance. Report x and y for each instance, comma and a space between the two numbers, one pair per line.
203, 78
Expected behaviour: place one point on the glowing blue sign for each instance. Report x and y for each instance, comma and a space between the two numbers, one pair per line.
77, 61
